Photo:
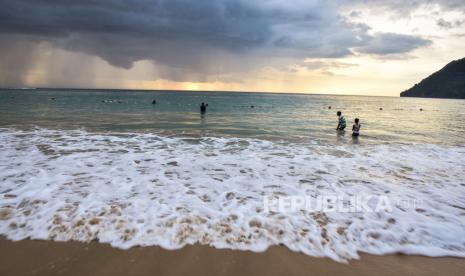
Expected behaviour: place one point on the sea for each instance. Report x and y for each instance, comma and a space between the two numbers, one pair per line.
110, 166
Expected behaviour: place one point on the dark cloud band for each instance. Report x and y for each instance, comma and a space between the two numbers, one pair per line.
194, 35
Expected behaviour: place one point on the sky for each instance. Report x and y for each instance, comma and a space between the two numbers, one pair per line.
360, 47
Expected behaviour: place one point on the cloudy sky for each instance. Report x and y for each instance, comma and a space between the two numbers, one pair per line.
377, 47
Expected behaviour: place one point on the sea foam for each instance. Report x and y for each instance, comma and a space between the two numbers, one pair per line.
145, 189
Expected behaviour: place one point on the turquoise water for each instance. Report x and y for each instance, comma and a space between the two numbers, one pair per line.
288, 117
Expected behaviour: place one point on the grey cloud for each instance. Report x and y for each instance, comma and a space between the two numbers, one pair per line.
390, 43
404, 8
355, 14
313, 65
449, 4
449, 24
323, 66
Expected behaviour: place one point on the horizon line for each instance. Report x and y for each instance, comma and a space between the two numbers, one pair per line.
193, 91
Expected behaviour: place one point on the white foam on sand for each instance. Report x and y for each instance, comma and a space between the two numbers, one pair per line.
143, 189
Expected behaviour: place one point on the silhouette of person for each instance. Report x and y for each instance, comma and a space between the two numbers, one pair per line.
203, 108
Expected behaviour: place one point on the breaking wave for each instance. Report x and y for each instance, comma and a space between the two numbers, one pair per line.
145, 189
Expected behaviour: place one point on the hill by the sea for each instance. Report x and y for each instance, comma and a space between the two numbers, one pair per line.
449, 82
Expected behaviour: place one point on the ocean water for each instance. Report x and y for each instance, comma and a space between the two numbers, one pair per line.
110, 166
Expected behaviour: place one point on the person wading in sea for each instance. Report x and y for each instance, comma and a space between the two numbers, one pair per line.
341, 125
203, 108
356, 128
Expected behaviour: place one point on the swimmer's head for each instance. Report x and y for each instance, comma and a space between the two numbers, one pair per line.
356, 120
338, 113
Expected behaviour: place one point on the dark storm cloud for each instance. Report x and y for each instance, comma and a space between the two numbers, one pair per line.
126, 21
192, 35
201, 37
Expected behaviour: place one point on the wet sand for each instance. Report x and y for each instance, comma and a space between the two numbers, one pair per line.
72, 258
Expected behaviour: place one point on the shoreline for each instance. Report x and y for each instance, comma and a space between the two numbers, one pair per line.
37, 257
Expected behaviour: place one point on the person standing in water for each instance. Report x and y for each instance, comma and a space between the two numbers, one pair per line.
341, 125
203, 108
356, 128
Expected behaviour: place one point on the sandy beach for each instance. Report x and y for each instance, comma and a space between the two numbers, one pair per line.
30, 257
